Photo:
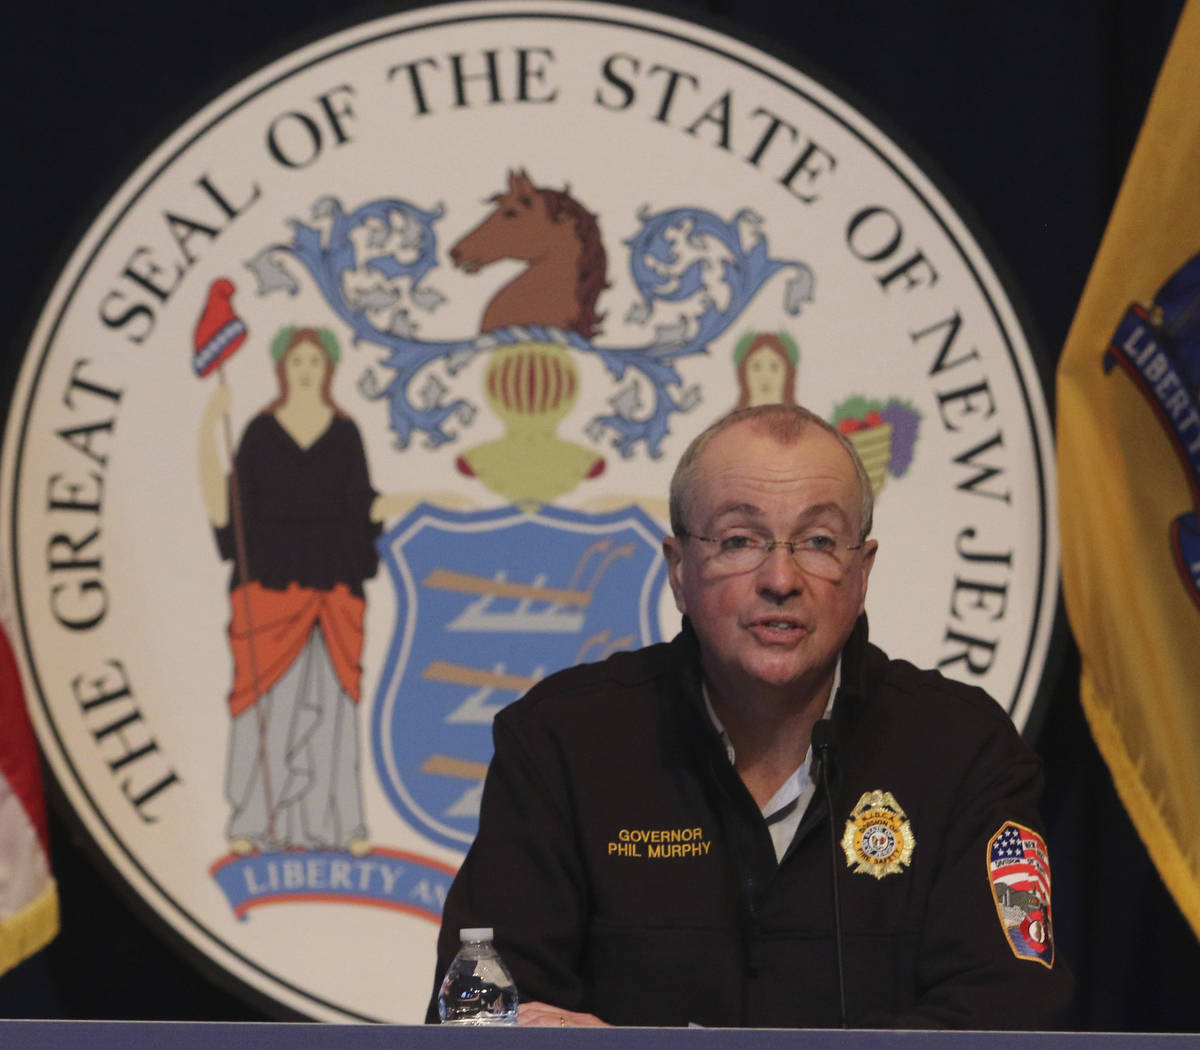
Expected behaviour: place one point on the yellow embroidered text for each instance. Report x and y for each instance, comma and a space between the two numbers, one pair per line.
660, 843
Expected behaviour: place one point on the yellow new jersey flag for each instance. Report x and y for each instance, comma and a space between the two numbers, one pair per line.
1129, 478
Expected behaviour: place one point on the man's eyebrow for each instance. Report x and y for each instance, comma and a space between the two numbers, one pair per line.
818, 509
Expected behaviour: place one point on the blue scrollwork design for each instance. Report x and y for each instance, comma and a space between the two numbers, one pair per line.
391, 246
662, 272
370, 266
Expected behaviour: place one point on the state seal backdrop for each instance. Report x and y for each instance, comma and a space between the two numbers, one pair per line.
353, 413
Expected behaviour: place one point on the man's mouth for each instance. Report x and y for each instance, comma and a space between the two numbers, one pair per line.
774, 625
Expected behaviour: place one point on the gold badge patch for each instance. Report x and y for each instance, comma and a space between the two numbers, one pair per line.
878, 838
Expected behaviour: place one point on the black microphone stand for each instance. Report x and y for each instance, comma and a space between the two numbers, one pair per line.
821, 734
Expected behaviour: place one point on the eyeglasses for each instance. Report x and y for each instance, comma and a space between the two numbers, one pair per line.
819, 555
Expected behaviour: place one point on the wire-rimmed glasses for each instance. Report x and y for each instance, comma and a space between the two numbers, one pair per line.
819, 554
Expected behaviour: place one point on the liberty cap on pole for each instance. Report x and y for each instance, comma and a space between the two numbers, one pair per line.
219, 334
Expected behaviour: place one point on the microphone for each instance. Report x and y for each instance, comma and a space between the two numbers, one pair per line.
822, 744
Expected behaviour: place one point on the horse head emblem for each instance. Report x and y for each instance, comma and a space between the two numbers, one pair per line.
559, 239
533, 383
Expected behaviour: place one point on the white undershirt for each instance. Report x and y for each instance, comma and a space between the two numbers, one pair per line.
785, 809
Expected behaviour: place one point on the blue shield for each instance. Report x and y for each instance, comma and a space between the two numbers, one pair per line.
489, 603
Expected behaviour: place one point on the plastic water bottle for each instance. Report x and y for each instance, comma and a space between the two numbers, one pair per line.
477, 989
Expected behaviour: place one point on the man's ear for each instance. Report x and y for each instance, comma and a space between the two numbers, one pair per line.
672, 548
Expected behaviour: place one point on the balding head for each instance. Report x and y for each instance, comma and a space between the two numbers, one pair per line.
785, 424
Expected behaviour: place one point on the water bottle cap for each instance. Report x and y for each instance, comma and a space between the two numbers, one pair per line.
475, 933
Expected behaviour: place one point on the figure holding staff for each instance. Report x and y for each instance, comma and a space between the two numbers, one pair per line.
298, 516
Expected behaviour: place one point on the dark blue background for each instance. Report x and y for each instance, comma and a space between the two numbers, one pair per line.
1025, 111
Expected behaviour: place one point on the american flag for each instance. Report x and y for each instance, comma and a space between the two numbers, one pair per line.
28, 894
1018, 860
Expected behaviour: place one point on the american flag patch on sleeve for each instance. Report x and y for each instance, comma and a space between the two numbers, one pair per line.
1019, 870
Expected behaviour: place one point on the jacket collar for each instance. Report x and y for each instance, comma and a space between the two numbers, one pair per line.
847, 707
750, 840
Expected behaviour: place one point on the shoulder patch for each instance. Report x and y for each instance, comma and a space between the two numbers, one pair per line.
1019, 871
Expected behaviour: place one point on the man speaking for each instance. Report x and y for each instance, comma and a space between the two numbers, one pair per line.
766, 821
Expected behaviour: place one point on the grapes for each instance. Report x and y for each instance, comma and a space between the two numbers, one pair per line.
905, 421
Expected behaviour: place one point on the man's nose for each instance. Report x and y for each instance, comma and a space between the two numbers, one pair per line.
779, 575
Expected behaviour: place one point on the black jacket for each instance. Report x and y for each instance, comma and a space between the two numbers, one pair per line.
628, 872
